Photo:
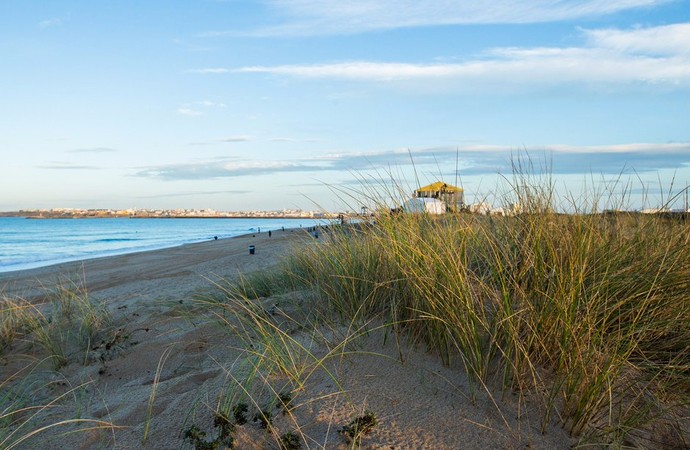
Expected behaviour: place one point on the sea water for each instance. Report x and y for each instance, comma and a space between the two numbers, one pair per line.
28, 243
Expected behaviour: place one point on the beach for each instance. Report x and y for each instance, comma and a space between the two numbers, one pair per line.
175, 271
167, 363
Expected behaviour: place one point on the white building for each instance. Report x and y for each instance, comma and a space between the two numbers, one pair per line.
422, 205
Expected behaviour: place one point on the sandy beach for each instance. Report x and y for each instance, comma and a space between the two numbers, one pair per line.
179, 361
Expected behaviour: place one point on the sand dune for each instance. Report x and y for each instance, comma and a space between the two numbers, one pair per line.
162, 340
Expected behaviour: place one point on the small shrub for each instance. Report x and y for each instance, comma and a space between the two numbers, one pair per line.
285, 399
362, 425
197, 437
264, 418
290, 441
194, 434
239, 413
226, 428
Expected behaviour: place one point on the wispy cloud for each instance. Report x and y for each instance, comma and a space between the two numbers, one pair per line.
472, 159
93, 150
219, 169
224, 140
52, 22
193, 194
235, 139
327, 17
246, 138
292, 140
194, 108
189, 112
651, 56
671, 40
212, 70
67, 166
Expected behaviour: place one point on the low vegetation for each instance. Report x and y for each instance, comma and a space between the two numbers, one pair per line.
360, 426
64, 326
43, 337
590, 311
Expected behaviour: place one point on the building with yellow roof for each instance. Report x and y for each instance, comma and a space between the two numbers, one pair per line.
452, 196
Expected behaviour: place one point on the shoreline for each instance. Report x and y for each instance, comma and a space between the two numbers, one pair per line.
37, 248
171, 217
198, 258
115, 253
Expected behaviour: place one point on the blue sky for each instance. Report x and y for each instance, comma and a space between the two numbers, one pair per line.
236, 105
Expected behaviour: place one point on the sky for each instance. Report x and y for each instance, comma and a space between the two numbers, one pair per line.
322, 104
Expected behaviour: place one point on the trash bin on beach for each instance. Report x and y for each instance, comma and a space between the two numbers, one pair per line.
251, 249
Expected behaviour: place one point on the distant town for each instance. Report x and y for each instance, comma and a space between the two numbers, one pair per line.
70, 213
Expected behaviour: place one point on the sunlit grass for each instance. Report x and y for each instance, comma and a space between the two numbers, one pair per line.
39, 338
589, 310
63, 325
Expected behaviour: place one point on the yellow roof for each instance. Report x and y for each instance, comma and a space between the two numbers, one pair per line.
439, 186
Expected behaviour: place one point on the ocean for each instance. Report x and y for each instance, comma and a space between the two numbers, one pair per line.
29, 243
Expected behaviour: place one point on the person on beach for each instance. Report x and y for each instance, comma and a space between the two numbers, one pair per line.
269, 233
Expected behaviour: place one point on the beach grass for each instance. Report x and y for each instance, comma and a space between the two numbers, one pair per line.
63, 325
587, 310
40, 338
23, 421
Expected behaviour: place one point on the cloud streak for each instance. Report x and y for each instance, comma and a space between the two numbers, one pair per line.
662, 40
231, 139
93, 150
67, 166
291, 140
193, 194
192, 109
473, 160
651, 56
224, 140
210, 70
49, 23
219, 169
188, 112
329, 17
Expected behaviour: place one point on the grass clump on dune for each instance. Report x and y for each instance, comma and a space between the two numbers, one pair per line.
63, 326
588, 310
37, 339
